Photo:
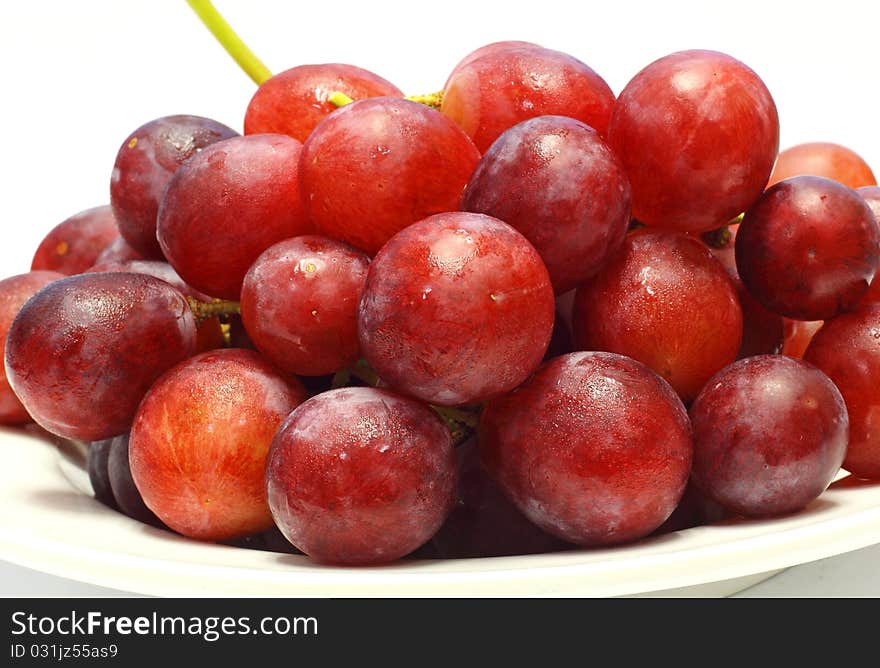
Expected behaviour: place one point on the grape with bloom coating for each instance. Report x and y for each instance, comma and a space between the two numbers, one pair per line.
299, 304
808, 248
594, 448
74, 244
147, 159
84, 350
667, 302
505, 86
228, 204
555, 181
847, 348
14, 292
697, 132
770, 434
200, 440
294, 101
378, 165
360, 475
456, 309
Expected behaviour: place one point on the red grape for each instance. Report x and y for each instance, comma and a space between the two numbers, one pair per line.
299, 304
228, 204
361, 475
84, 350
505, 86
847, 348
770, 433
797, 335
294, 101
73, 245
376, 166
808, 248
201, 438
697, 132
488, 49
555, 181
14, 292
594, 448
147, 159
117, 250
457, 308
871, 194
832, 161
667, 302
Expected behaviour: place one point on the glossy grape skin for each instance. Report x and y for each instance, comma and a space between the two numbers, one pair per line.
456, 309
847, 349
503, 87
555, 181
764, 332
299, 304
294, 101
594, 448
832, 161
484, 522
808, 248
361, 475
797, 336
667, 302
770, 434
84, 350
227, 205
697, 132
73, 245
488, 49
97, 467
14, 293
378, 165
871, 194
125, 493
117, 250
200, 441
147, 159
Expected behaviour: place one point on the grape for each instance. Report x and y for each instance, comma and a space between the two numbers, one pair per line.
299, 304
484, 522
871, 194
488, 49
117, 250
667, 302
594, 448
360, 476
832, 161
73, 245
378, 165
457, 308
294, 101
797, 335
847, 348
695, 509
97, 459
555, 181
200, 440
147, 159
83, 351
808, 248
228, 204
770, 433
697, 132
14, 292
125, 492
505, 86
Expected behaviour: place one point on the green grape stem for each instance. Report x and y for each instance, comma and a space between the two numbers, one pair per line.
230, 41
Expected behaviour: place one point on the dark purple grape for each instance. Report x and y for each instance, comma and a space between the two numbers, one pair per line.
125, 492
99, 476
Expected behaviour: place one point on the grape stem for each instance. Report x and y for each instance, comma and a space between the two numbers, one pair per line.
230, 41
205, 310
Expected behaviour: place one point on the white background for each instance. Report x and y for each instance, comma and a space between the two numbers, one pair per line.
78, 76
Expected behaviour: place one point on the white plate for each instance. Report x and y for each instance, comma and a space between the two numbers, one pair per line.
49, 522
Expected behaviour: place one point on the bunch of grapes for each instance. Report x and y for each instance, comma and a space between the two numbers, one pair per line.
518, 315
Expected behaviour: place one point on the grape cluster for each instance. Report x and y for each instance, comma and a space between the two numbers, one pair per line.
519, 315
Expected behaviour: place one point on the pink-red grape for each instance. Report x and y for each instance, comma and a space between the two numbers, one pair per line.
74, 245
832, 161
